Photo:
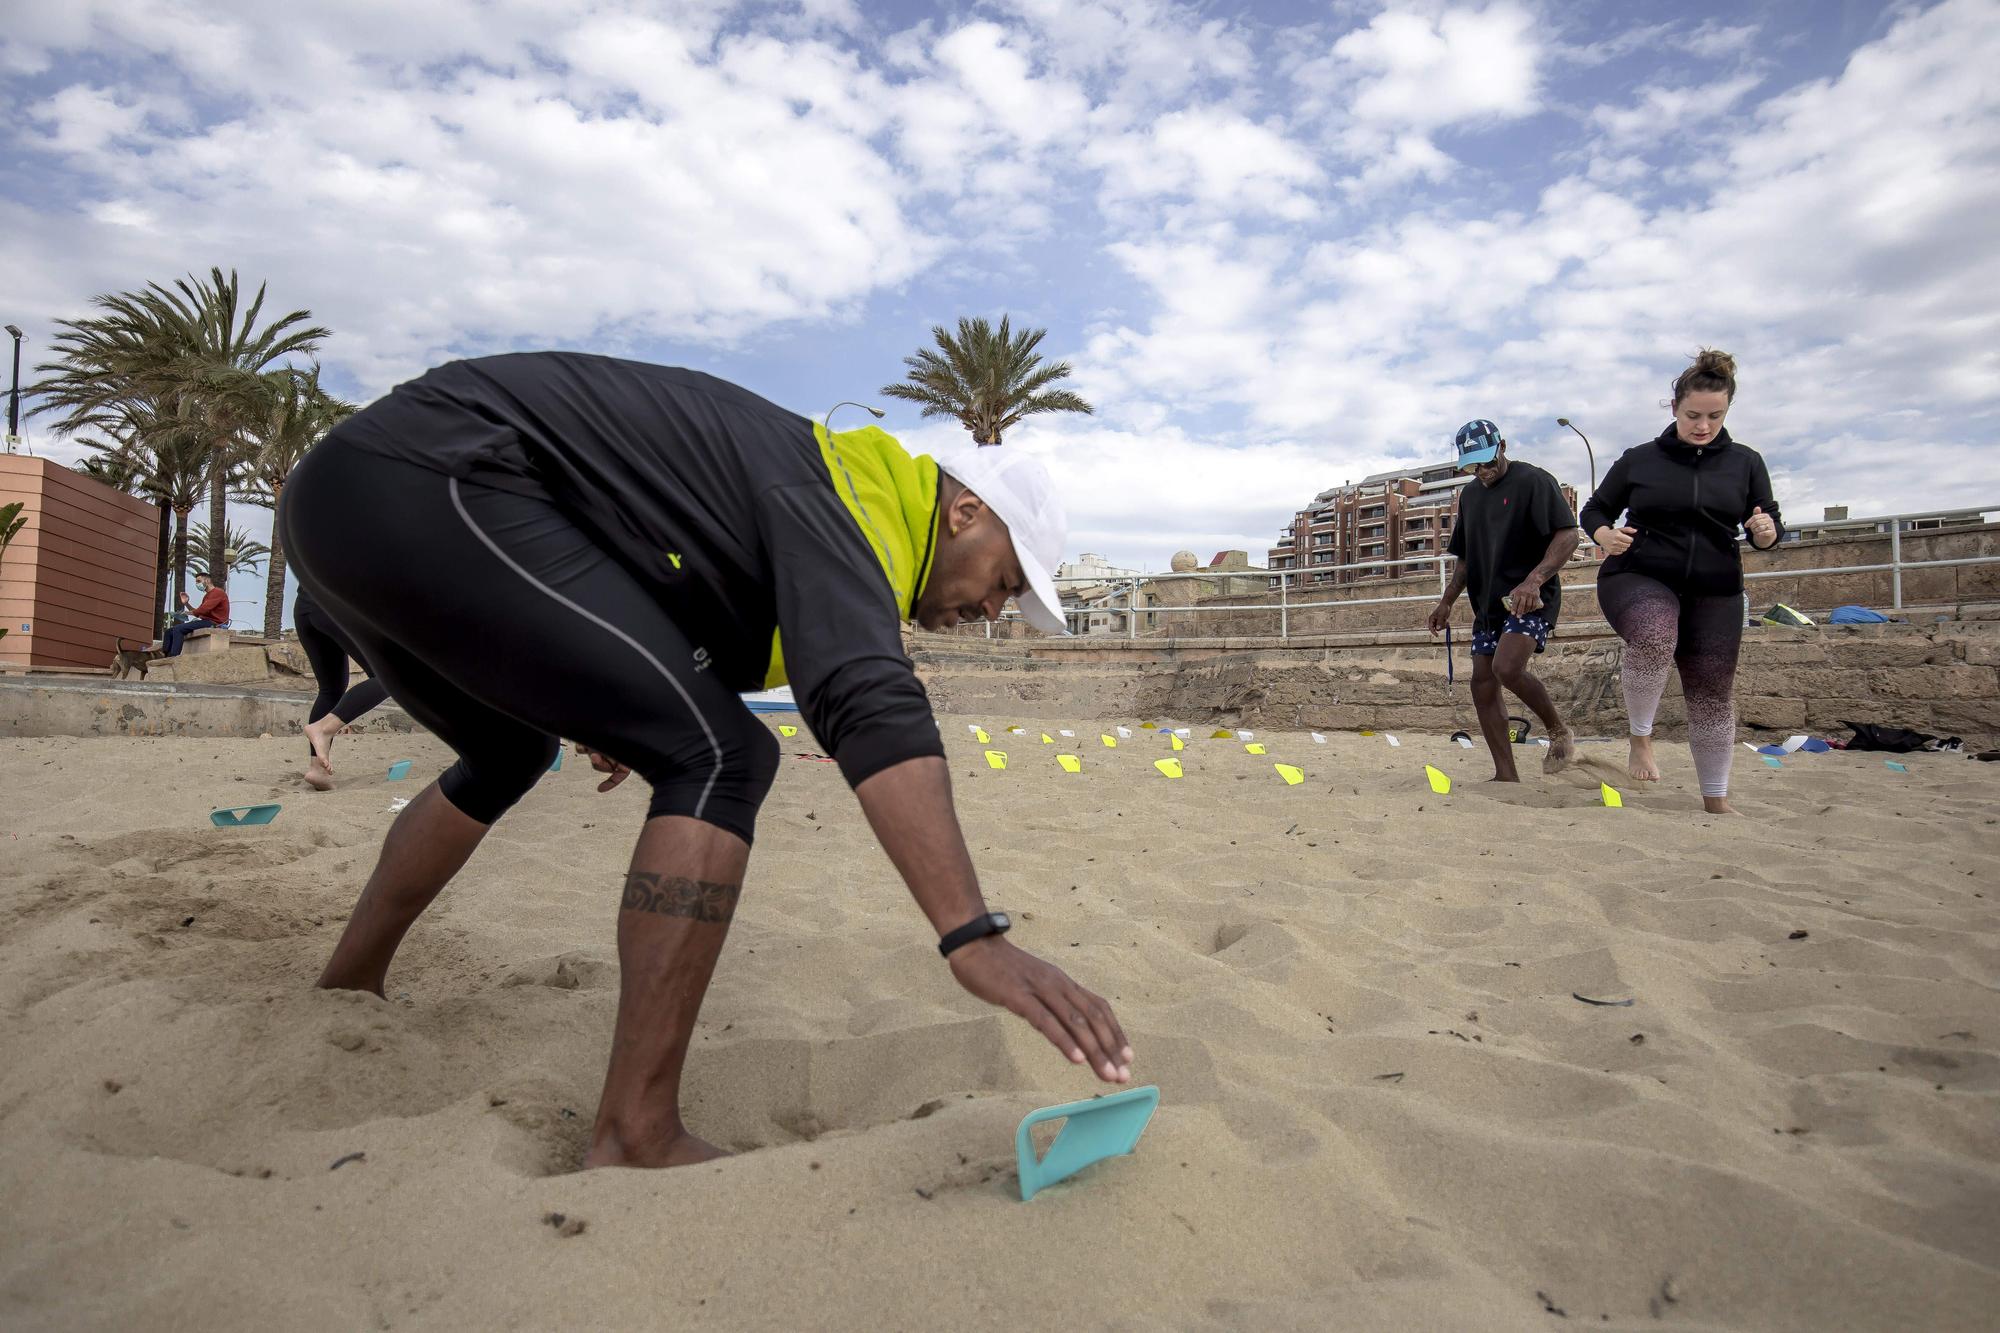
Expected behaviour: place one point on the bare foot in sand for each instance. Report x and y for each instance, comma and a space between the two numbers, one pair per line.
320, 736
1719, 805
1562, 749
682, 1150
318, 776
1643, 766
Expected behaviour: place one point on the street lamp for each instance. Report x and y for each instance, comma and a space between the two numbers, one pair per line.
827, 420
1564, 421
14, 395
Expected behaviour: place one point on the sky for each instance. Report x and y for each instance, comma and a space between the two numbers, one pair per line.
1282, 245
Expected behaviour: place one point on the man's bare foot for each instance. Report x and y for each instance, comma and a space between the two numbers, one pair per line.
1562, 749
1505, 777
1719, 805
683, 1149
1643, 766
318, 776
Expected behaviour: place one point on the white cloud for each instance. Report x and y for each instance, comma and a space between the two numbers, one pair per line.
1662, 112
1212, 157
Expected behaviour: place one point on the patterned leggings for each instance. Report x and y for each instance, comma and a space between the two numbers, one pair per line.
1700, 635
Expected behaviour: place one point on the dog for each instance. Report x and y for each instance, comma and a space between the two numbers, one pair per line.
124, 661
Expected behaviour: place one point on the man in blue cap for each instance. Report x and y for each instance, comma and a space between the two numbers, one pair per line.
1515, 531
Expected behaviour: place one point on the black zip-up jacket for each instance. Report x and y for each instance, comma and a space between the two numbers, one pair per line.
1687, 504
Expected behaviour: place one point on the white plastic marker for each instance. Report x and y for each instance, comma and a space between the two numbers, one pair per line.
1124, 733
1465, 741
1792, 743
1185, 733
1017, 731
1392, 740
1246, 735
1065, 731
1317, 738
972, 727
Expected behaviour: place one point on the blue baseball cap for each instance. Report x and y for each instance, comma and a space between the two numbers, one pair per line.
1478, 442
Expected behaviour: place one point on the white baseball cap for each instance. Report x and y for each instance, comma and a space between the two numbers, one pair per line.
1021, 494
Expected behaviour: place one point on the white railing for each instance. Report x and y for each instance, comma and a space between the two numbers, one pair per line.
1122, 596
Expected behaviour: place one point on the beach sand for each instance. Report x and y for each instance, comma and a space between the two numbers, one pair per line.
1381, 1104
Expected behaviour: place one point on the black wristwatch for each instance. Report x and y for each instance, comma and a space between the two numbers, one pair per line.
993, 923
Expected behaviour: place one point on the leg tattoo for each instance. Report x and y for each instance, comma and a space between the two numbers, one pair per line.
676, 895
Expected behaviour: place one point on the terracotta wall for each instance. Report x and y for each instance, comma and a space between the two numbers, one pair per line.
80, 574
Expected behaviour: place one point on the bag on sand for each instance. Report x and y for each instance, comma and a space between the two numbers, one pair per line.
1781, 614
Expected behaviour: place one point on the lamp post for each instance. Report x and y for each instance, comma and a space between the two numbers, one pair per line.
827, 420
1564, 421
14, 395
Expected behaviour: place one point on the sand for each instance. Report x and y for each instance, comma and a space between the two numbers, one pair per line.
1381, 1104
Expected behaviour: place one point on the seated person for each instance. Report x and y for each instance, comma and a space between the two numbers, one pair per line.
213, 612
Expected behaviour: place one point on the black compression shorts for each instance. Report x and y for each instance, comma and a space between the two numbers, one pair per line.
501, 625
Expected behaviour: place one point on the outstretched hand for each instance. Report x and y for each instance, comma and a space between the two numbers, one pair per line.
1076, 1022
604, 763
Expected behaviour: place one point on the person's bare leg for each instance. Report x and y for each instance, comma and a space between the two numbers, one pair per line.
320, 736
426, 846
1510, 664
1492, 710
1719, 805
679, 896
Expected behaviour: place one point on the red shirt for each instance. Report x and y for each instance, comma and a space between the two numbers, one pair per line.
214, 606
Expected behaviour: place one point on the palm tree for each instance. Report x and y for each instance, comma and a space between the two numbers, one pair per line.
987, 379
240, 551
174, 377
297, 413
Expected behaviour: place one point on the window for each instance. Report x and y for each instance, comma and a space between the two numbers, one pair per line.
1322, 539
1323, 558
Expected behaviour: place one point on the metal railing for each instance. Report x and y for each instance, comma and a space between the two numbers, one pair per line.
1124, 591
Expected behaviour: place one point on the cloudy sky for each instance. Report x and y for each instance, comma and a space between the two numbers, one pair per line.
1284, 245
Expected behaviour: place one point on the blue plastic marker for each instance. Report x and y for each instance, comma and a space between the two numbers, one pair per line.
400, 769
240, 816
556, 767
1900, 768
1093, 1130
1774, 763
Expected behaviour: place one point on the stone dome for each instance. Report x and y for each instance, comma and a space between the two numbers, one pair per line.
1184, 562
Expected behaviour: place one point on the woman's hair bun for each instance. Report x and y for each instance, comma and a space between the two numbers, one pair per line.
1713, 371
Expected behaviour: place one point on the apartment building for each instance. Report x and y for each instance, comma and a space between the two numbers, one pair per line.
1389, 516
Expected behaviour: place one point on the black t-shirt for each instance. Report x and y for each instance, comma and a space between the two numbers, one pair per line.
1502, 534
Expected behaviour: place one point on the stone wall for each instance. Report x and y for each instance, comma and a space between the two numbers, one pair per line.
1943, 679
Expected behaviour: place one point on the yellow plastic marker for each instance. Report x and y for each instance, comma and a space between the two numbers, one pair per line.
1292, 776
1149, 726
1168, 767
1220, 734
996, 759
1179, 744
1439, 782
1366, 732
1255, 749
1070, 763
784, 730
1610, 795
1111, 742
1047, 739
979, 734
1017, 731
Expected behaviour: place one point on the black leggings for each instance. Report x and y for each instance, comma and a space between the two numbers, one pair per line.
328, 650
500, 625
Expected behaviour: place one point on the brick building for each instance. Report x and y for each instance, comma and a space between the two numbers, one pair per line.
1389, 516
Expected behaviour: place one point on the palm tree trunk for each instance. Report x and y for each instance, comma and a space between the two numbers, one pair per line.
180, 558
216, 562
160, 572
274, 582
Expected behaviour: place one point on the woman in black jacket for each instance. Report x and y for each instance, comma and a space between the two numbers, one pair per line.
1672, 582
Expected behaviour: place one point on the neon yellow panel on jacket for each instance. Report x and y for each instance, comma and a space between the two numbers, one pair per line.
892, 498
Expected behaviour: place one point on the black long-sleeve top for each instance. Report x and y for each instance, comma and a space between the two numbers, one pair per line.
1688, 503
